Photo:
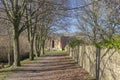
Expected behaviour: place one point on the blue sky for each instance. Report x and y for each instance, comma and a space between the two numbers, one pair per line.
71, 22
74, 4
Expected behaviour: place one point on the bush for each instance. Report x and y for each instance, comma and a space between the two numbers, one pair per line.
75, 42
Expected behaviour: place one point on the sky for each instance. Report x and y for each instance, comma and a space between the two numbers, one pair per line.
74, 4
71, 22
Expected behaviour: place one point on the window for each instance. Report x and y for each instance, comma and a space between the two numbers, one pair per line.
53, 44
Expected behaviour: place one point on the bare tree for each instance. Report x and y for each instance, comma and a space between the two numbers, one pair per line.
44, 25
31, 26
98, 22
14, 10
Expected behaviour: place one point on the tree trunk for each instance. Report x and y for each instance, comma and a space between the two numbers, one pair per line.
16, 49
43, 49
38, 51
31, 55
97, 63
10, 61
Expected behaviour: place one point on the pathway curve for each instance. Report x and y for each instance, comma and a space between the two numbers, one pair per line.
50, 67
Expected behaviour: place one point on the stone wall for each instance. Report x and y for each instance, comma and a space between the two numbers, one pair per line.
86, 58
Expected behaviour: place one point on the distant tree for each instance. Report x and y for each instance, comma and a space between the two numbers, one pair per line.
44, 25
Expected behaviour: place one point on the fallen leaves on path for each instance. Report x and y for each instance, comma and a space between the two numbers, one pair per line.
50, 67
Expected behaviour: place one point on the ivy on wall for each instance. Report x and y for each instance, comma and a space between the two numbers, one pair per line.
111, 43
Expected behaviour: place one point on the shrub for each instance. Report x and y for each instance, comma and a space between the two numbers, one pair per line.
75, 42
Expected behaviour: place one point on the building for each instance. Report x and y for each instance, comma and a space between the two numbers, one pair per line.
58, 42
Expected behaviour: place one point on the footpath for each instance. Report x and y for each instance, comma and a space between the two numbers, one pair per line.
50, 67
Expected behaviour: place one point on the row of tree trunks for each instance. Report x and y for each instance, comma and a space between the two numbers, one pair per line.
36, 17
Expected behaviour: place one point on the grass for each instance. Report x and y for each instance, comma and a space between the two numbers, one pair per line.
54, 52
92, 78
28, 60
5, 72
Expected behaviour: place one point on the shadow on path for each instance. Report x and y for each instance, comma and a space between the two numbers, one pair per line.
50, 67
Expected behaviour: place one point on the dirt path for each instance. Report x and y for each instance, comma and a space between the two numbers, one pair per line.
50, 67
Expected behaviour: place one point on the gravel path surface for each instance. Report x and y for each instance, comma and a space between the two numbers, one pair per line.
50, 67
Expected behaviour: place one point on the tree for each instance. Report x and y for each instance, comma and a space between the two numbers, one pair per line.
98, 25
5, 30
10, 48
31, 29
14, 10
44, 25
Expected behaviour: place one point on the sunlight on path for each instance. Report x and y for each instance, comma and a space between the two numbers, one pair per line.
50, 67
